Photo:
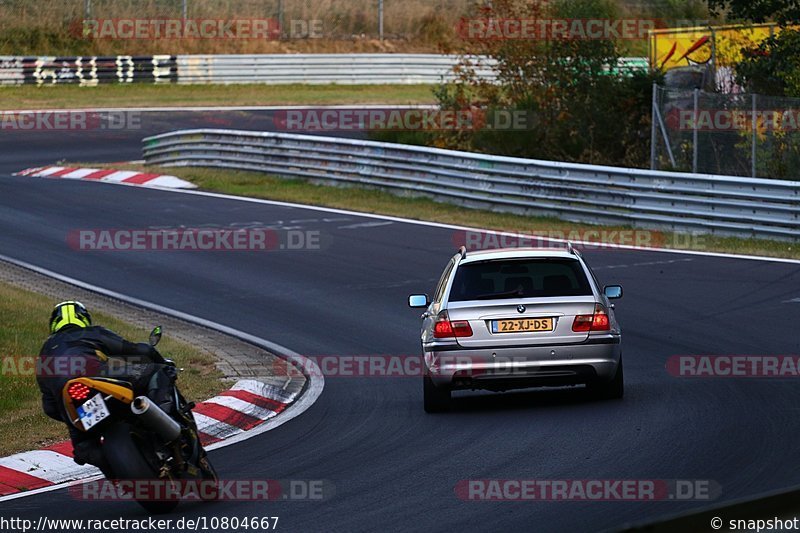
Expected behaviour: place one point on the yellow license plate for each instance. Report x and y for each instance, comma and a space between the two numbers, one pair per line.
522, 325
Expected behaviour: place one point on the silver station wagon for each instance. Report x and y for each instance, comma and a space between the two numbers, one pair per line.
518, 318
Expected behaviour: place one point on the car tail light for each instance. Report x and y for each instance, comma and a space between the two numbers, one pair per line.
444, 328
78, 391
461, 328
598, 321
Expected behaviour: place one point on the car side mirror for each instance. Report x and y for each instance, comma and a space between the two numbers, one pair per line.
416, 301
155, 336
613, 292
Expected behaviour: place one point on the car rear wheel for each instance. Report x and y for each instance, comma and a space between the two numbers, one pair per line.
610, 390
436, 399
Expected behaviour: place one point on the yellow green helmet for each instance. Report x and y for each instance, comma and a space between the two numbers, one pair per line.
69, 313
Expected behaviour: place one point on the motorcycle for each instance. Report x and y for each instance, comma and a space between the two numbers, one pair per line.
140, 441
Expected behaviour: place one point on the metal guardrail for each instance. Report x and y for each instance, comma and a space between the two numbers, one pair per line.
342, 68
322, 68
262, 68
723, 205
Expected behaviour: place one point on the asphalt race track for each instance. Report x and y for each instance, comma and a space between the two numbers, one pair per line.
394, 467
117, 135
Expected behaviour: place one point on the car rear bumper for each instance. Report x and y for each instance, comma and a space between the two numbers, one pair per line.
455, 367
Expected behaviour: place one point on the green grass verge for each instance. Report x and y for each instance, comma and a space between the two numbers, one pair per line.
23, 424
140, 95
418, 208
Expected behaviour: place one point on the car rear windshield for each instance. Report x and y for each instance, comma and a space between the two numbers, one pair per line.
519, 278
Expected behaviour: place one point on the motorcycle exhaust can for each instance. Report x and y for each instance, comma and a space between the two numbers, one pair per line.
155, 418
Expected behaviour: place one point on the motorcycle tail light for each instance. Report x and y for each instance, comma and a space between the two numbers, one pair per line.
78, 392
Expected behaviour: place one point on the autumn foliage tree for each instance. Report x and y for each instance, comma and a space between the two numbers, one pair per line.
578, 106
773, 67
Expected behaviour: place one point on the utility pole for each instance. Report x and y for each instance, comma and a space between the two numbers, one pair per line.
185, 9
280, 18
653, 133
755, 139
695, 148
380, 19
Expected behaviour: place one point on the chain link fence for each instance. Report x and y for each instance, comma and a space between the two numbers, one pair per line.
341, 18
730, 134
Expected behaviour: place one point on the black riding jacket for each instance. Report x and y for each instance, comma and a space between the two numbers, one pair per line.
76, 352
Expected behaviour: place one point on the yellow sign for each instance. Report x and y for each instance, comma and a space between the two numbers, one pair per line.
681, 47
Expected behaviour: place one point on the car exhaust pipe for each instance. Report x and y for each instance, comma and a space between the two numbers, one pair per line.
155, 419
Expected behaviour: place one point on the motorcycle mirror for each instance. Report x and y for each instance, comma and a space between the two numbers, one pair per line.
155, 335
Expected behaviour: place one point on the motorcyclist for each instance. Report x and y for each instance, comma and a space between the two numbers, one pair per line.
76, 348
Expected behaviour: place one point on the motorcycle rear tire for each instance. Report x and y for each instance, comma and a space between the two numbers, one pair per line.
128, 462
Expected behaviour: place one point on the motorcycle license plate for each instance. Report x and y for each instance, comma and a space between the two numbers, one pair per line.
93, 411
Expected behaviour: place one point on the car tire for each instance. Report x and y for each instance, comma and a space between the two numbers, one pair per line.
436, 399
610, 390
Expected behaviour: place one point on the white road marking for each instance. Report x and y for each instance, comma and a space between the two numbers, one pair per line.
215, 428
647, 263
219, 108
170, 182
48, 171
80, 173
511, 234
46, 464
391, 285
120, 175
366, 225
242, 406
264, 390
